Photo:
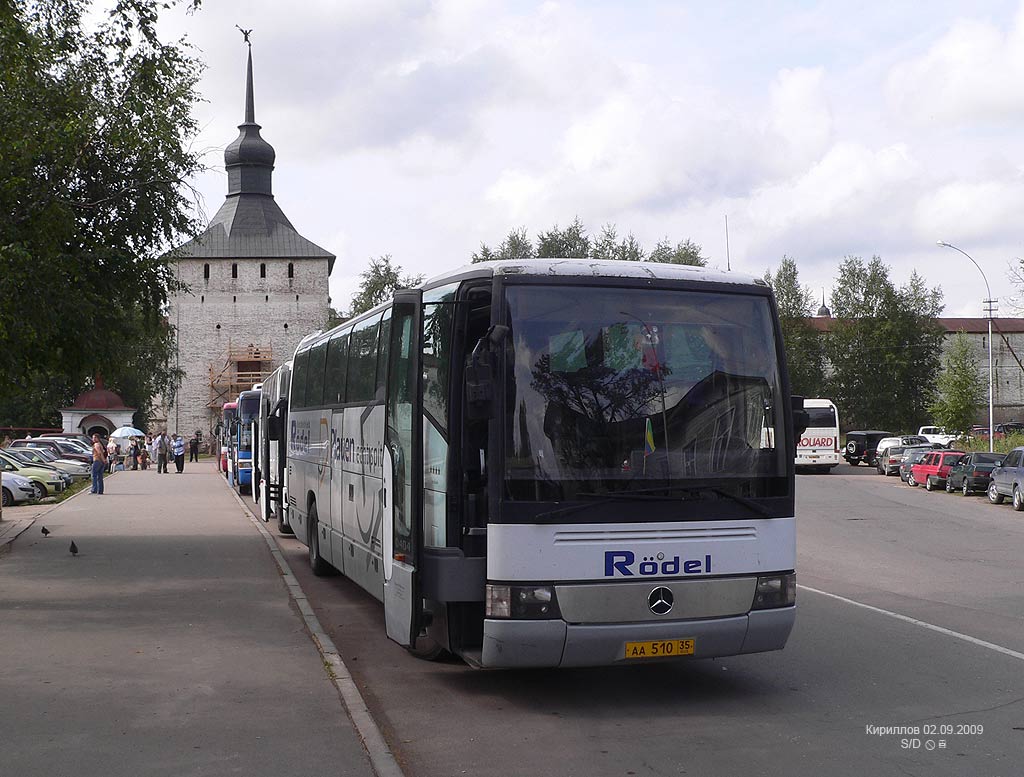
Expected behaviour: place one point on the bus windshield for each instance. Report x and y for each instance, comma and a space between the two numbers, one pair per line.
636, 389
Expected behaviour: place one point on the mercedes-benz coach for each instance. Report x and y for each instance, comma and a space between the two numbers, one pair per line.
555, 463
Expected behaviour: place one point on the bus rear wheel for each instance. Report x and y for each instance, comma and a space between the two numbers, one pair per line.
317, 562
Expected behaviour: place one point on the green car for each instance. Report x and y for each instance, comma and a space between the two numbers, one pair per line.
44, 458
45, 481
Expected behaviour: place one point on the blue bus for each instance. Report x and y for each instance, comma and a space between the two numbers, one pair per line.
244, 432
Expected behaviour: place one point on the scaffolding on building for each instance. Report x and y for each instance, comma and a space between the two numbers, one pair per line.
244, 366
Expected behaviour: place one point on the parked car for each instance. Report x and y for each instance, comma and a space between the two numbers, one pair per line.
56, 447
910, 459
1008, 480
863, 446
905, 439
890, 459
43, 457
938, 434
973, 473
84, 439
1005, 430
933, 469
15, 488
45, 480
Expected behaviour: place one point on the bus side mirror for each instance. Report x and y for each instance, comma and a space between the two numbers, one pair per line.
800, 418
480, 374
273, 428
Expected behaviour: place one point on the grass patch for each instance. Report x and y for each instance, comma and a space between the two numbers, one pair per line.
73, 489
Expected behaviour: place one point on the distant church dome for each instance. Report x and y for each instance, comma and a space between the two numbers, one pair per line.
99, 398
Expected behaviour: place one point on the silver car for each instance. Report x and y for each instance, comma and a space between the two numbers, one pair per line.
15, 488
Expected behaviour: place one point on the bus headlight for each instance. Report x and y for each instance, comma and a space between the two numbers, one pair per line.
775, 591
521, 601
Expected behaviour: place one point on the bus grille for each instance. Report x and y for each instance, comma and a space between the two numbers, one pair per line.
602, 536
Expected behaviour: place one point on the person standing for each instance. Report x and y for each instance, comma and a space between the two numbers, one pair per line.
163, 447
111, 454
99, 464
193, 448
178, 446
145, 450
133, 453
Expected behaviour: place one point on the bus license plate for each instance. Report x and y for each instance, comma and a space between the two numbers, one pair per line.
661, 648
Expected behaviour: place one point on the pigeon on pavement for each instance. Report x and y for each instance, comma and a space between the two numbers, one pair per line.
73, 548
46, 532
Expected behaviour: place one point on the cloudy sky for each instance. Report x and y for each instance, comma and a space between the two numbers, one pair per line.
420, 129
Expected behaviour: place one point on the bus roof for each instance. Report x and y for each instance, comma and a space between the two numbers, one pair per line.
592, 268
566, 268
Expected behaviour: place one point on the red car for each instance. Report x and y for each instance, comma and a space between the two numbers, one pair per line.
933, 469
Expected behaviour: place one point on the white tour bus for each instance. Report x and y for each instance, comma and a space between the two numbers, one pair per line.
555, 463
818, 447
272, 451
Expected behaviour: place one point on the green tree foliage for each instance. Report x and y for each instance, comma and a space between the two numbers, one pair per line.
805, 352
516, 246
607, 246
685, 252
960, 387
569, 243
884, 346
572, 242
378, 284
95, 122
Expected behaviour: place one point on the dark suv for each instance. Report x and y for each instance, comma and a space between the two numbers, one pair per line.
862, 446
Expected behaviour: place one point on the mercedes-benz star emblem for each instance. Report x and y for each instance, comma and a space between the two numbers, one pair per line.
660, 600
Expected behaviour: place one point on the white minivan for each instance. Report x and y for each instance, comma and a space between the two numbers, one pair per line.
817, 450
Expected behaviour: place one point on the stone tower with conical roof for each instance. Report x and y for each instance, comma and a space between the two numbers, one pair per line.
254, 286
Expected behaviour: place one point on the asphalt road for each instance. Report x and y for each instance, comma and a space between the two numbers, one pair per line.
944, 561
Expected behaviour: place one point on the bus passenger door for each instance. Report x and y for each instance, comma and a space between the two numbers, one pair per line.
402, 495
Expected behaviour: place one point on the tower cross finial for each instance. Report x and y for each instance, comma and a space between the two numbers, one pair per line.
245, 34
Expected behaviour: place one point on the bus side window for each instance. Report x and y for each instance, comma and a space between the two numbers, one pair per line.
383, 346
315, 375
337, 367
362, 362
298, 393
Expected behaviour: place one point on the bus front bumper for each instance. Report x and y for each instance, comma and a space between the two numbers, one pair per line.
550, 643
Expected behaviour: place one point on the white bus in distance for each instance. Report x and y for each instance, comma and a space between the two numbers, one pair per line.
817, 450
555, 463
272, 451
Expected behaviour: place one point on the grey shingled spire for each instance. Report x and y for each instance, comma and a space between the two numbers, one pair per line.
250, 223
823, 311
249, 159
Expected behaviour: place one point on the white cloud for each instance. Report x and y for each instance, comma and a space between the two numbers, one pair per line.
970, 74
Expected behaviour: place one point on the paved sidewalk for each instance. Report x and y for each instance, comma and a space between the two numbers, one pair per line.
168, 646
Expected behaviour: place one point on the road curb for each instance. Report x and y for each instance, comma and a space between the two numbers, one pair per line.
381, 758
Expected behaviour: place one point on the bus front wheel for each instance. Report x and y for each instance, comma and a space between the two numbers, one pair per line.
425, 646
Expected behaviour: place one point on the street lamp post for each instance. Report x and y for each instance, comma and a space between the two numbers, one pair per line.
988, 304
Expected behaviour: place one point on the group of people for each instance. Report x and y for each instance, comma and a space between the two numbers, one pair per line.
139, 454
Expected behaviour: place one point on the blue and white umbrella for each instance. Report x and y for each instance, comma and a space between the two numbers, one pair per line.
127, 431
